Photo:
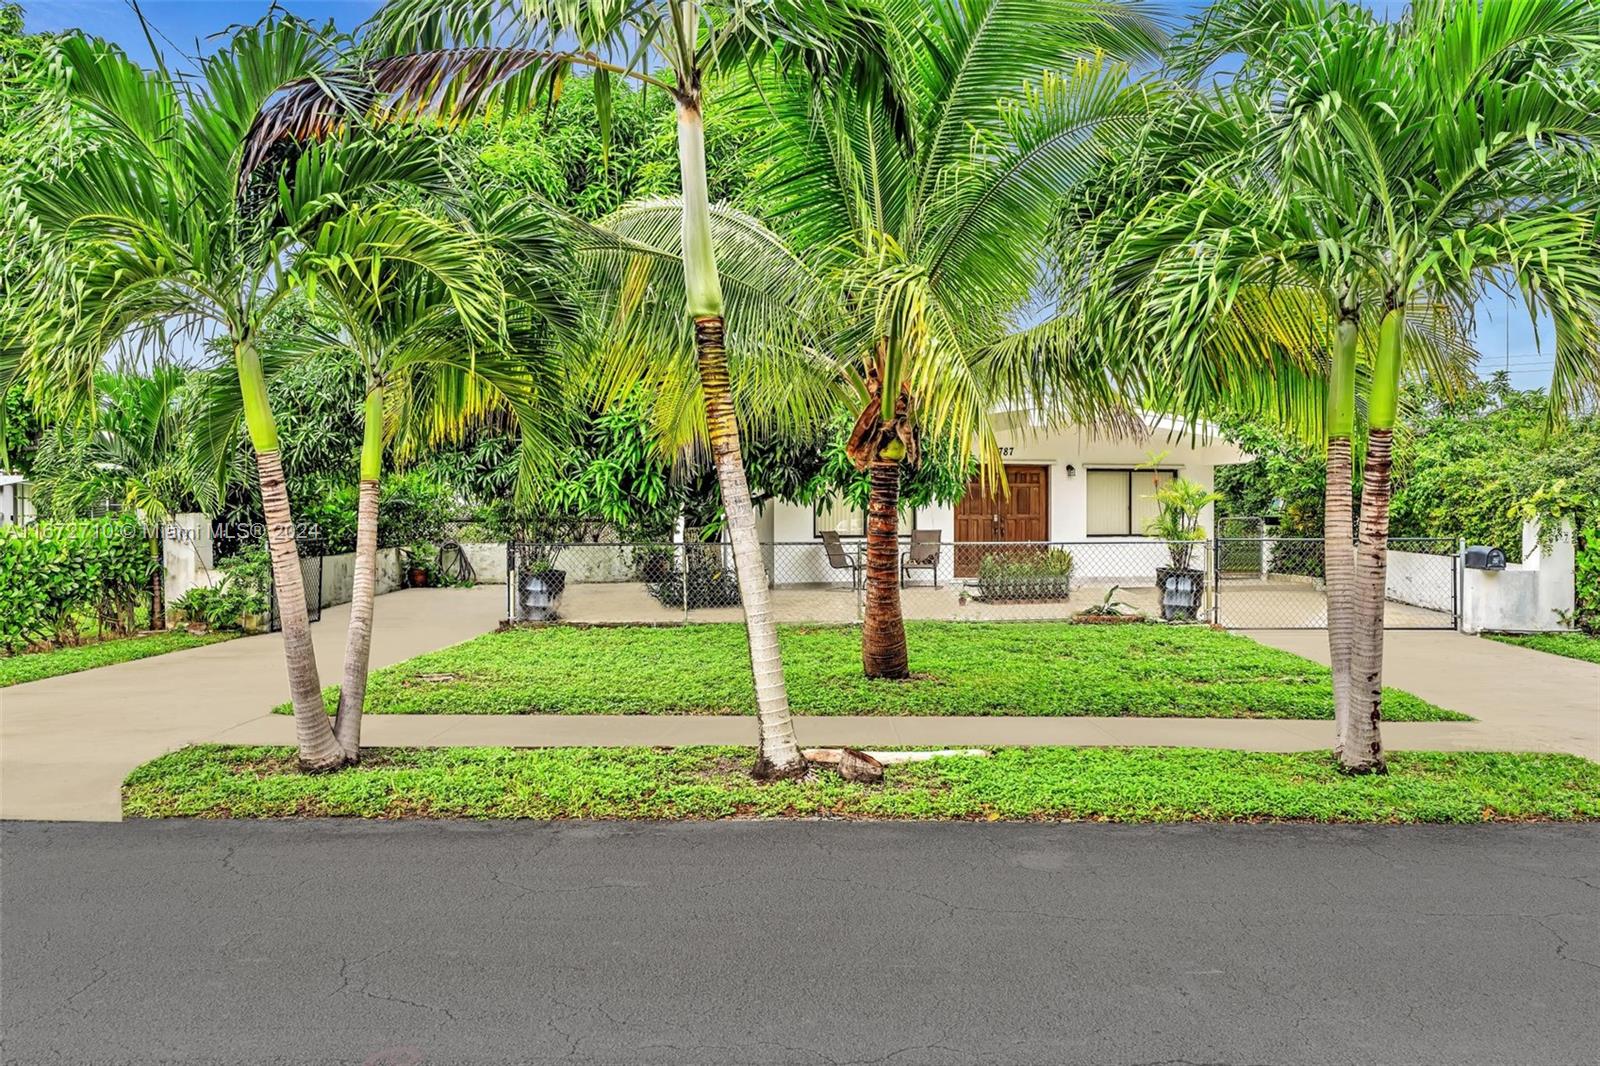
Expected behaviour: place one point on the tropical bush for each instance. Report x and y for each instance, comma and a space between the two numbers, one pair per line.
706, 582
1474, 467
54, 574
1586, 613
242, 592
1018, 576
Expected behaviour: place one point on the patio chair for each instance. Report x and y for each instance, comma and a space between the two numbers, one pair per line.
840, 559
922, 555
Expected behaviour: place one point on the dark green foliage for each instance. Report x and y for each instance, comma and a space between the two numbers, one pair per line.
243, 590
557, 154
136, 450
53, 573
1285, 479
958, 668
1100, 784
708, 583
1586, 614
1473, 467
413, 508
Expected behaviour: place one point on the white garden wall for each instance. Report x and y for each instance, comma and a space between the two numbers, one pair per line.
1532, 596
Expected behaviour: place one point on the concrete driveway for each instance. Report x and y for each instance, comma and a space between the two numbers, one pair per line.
1547, 702
67, 742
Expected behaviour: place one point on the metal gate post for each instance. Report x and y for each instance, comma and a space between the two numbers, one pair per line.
1216, 581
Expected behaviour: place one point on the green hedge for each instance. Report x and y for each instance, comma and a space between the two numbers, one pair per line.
53, 573
1586, 614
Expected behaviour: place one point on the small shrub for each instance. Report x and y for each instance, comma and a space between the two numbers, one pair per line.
1018, 576
707, 584
1586, 612
243, 590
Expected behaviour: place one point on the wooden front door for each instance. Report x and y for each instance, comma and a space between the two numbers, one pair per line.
1024, 515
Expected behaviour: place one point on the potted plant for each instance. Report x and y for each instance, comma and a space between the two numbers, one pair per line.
1179, 504
420, 572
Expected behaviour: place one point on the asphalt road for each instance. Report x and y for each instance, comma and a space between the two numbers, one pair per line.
798, 943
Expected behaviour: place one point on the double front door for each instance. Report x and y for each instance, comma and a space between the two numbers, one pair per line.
1023, 515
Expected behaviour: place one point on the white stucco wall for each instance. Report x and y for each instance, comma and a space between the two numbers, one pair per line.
1526, 597
339, 571
186, 555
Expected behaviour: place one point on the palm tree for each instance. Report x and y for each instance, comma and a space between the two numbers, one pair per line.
936, 250
461, 55
429, 376
147, 245
1398, 170
134, 451
1217, 295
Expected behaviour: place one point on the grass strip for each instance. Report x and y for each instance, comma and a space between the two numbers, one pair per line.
37, 665
1568, 645
1101, 784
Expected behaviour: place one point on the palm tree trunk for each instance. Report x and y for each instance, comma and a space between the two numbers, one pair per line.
363, 585
779, 753
1338, 521
883, 633
313, 731
1360, 743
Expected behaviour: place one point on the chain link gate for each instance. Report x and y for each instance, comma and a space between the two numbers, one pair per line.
1267, 582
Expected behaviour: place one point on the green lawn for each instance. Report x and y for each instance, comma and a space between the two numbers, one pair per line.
1571, 645
1111, 784
960, 668
33, 666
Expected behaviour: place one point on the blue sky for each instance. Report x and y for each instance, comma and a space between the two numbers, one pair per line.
1506, 335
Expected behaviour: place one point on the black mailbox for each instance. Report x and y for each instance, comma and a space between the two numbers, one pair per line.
1480, 557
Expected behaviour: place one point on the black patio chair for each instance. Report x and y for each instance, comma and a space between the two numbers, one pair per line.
922, 555
840, 559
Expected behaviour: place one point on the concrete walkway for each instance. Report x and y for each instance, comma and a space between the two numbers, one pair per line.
67, 742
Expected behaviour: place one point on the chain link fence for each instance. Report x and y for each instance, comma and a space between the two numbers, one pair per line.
1279, 583
1264, 583
813, 582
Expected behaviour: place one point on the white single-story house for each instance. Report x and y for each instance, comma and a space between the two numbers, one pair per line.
1088, 491
15, 507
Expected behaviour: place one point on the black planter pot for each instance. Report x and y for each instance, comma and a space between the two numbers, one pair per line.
537, 592
1181, 592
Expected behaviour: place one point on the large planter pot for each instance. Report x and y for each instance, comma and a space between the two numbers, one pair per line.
537, 593
1181, 593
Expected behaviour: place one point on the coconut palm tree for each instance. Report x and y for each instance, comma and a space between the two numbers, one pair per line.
937, 249
457, 56
1400, 169
147, 247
